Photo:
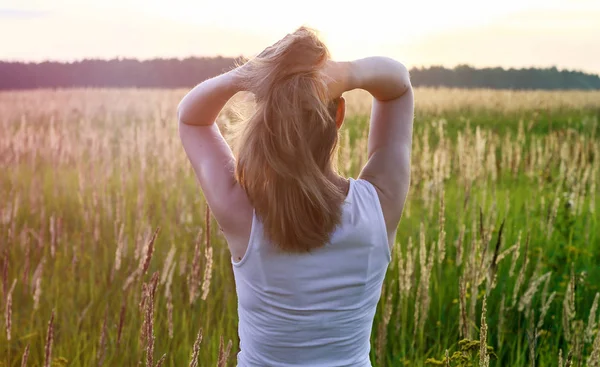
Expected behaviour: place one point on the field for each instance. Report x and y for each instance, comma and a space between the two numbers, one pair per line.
107, 256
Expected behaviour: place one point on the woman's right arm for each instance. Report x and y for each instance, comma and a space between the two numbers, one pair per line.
390, 131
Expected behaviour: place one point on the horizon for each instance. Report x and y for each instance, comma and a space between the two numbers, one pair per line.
515, 34
449, 67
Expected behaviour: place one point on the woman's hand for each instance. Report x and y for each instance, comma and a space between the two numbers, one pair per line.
340, 77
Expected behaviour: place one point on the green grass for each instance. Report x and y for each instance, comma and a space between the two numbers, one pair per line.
126, 167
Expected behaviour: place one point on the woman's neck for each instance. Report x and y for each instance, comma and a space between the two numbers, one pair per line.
338, 180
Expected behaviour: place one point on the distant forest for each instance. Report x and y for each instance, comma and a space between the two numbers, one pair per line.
176, 73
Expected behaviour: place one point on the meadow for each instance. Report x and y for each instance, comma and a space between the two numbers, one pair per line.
109, 255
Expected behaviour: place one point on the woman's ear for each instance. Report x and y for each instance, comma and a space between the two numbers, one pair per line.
341, 112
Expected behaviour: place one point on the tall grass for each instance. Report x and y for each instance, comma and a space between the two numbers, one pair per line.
108, 255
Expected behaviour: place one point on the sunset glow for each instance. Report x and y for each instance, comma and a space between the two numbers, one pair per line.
511, 33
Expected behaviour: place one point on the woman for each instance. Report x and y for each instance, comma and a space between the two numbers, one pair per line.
309, 248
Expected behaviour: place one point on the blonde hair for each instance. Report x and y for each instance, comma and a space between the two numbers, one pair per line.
285, 149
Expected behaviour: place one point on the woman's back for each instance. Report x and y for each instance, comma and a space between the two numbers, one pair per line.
314, 309
309, 260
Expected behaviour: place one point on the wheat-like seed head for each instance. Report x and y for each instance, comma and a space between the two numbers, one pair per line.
594, 360
196, 350
25, 356
8, 310
592, 323
120, 247
484, 358
569, 306
223, 353
49, 341
168, 264
527, 297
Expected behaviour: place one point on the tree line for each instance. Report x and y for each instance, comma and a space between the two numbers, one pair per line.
178, 73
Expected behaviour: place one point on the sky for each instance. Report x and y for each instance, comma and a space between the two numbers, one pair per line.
482, 33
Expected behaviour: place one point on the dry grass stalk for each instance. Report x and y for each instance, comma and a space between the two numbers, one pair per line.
167, 265
544, 297
52, 228
196, 350
208, 254
383, 326
183, 264
194, 275
505, 253
5, 273
532, 337
223, 353
592, 200
25, 356
102, 344
592, 323
409, 268
578, 341
527, 297
472, 272
8, 310
485, 239
27, 264
131, 278
83, 313
484, 358
207, 272
150, 351
397, 262
516, 253
169, 297
544, 310
170, 315
521, 276
442, 231
41, 235
121, 322
144, 260
594, 360
147, 306
552, 217
120, 247
140, 243
459, 245
500, 325
569, 361
143, 300
49, 341
560, 358
493, 268
447, 358
207, 226
74, 258
462, 297
423, 298
161, 360
149, 251
568, 313
169, 280
37, 284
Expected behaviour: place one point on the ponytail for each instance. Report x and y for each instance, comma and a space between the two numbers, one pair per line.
285, 149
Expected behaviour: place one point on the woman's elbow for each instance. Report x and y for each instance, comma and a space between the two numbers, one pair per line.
185, 113
182, 111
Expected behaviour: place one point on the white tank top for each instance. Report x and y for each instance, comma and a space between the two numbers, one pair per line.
314, 309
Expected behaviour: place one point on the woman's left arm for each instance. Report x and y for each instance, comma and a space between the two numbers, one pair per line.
201, 106
210, 155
